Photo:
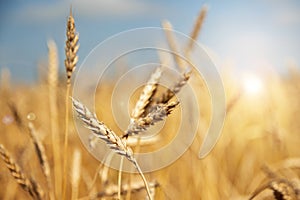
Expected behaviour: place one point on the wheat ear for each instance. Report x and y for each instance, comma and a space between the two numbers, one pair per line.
42, 157
168, 29
158, 113
113, 141
196, 30
170, 92
71, 48
52, 86
71, 60
147, 94
29, 185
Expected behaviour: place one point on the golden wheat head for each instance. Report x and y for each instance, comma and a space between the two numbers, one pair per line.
29, 185
158, 113
71, 48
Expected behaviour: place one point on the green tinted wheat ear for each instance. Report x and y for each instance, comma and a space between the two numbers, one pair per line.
29, 185
158, 113
112, 140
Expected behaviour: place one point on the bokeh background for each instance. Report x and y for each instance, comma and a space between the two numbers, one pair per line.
255, 46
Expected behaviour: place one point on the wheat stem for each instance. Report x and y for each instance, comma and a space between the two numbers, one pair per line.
71, 60
76, 172
120, 178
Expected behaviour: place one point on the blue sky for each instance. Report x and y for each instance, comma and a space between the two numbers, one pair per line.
246, 34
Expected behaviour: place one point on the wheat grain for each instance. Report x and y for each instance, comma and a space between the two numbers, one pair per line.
29, 185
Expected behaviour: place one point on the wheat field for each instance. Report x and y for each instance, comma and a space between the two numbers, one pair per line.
257, 156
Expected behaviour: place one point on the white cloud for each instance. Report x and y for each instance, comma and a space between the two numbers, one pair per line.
87, 8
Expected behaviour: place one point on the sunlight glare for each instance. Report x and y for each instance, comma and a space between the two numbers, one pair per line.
252, 85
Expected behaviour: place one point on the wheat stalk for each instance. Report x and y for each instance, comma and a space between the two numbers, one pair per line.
147, 94
52, 84
135, 187
158, 113
120, 178
71, 60
29, 185
42, 157
76, 171
113, 141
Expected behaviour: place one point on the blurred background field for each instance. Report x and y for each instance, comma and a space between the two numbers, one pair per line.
256, 48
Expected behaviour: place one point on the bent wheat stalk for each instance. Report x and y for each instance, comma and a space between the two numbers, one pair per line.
112, 140
29, 185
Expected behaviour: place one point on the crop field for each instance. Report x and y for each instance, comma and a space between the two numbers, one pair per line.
42, 156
